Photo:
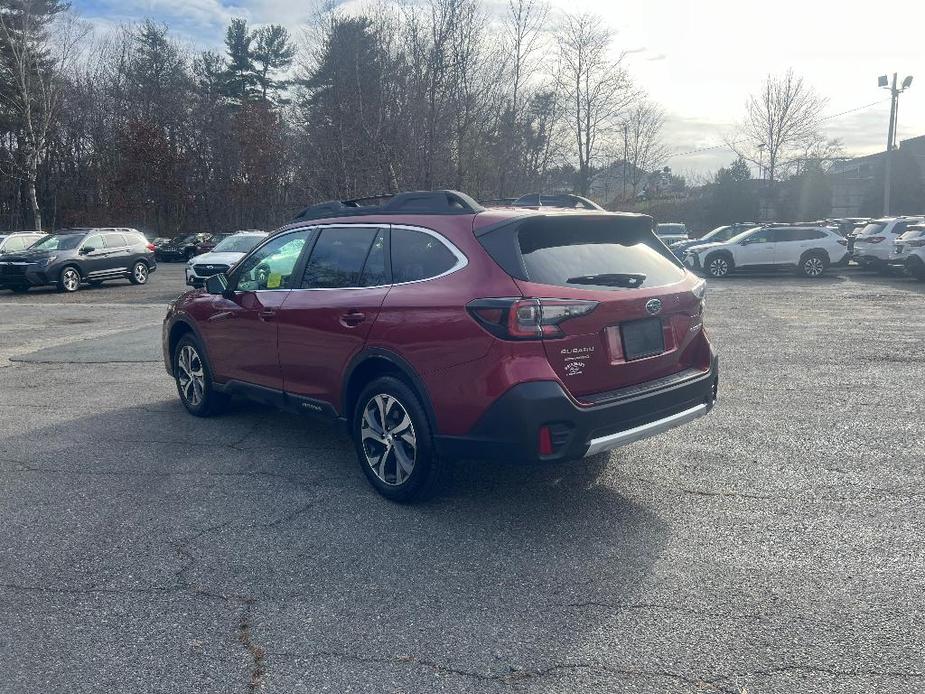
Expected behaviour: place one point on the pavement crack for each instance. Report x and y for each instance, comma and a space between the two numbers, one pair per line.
256, 653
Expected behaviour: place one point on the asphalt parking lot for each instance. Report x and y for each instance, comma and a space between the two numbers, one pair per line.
774, 546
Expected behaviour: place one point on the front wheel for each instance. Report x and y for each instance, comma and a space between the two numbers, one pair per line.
394, 443
139, 273
813, 265
194, 379
69, 280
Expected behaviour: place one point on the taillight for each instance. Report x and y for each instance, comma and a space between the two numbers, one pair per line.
871, 239
527, 319
149, 246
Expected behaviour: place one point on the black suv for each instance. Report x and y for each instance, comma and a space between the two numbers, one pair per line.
70, 257
181, 248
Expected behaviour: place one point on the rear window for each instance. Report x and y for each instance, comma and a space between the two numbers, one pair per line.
574, 253
871, 229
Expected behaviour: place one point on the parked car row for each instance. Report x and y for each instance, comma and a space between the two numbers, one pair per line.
185, 248
70, 258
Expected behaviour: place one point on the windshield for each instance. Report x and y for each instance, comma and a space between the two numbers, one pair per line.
725, 233
872, 228
59, 242
238, 244
741, 235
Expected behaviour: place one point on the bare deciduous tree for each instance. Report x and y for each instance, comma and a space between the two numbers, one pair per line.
643, 148
595, 89
32, 68
783, 118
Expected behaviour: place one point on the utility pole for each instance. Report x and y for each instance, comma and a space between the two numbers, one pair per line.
895, 91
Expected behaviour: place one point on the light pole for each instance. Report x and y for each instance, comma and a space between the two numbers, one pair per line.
884, 83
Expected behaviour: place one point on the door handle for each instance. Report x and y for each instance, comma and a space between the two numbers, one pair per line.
351, 319
267, 314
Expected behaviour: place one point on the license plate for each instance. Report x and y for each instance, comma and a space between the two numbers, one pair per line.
642, 338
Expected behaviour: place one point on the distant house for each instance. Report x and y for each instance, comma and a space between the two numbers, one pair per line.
853, 178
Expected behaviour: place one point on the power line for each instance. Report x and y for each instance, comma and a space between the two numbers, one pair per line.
727, 146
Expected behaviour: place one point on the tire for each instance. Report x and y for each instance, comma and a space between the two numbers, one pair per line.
813, 265
140, 273
69, 280
916, 270
194, 379
384, 451
717, 265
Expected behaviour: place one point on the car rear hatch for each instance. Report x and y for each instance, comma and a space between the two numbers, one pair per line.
633, 313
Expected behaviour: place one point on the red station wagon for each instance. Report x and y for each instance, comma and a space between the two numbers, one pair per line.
436, 329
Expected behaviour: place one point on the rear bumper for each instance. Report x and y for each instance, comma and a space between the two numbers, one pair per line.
510, 429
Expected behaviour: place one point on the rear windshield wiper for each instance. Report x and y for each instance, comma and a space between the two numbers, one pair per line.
616, 279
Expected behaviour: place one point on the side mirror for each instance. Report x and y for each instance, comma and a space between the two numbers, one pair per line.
86, 250
217, 284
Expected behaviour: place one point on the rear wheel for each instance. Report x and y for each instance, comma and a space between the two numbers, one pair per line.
139, 273
194, 379
394, 442
813, 265
916, 269
718, 265
69, 280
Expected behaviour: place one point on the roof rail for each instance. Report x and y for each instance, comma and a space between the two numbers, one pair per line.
436, 202
564, 200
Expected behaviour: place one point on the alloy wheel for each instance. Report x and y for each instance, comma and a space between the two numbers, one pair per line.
719, 267
813, 267
388, 439
191, 375
70, 279
141, 273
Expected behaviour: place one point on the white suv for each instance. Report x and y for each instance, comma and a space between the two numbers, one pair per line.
226, 253
909, 251
18, 240
874, 245
807, 249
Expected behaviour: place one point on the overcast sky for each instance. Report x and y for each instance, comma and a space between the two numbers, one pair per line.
699, 58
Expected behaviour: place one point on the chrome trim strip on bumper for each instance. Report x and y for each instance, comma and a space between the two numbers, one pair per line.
621, 438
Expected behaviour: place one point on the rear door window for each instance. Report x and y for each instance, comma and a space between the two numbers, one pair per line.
114, 240
593, 255
419, 256
338, 259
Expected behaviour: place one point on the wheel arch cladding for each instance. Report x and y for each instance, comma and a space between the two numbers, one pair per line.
823, 253
371, 364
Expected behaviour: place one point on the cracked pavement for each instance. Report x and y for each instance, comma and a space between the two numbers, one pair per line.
774, 546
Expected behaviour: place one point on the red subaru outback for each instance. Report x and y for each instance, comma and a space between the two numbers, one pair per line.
436, 329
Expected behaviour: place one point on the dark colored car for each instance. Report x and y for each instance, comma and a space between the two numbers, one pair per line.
435, 329
181, 248
71, 257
